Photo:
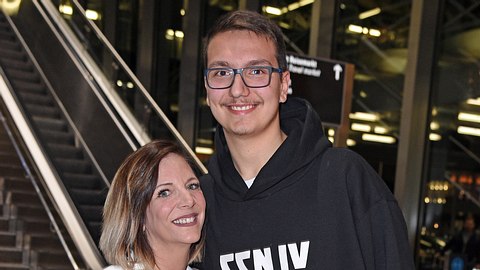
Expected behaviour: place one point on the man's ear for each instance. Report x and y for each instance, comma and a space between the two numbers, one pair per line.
284, 86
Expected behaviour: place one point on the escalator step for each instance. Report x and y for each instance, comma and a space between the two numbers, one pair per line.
23, 198
95, 229
44, 111
7, 35
65, 151
11, 54
88, 196
6, 147
53, 260
11, 255
6, 158
11, 171
10, 45
50, 124
8, 239
27, 76
16, 184
43, 242
15, 64
51, 136
37, 227
92, 213
31, 92
86, 181
73, 165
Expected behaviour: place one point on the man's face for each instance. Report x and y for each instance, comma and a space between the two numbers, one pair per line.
244, 111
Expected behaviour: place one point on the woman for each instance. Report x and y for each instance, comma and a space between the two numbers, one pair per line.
154, 211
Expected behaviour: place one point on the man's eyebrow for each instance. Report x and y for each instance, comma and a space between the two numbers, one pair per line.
258, 62
255, 62
218, 64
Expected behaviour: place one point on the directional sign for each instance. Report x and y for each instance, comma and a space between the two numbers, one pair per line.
325, 83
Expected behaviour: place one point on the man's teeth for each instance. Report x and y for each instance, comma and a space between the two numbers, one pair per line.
241, 108
184, 220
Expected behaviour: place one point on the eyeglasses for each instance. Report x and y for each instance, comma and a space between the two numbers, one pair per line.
254, 76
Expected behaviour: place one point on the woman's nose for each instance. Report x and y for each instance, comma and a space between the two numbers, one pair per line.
186, 199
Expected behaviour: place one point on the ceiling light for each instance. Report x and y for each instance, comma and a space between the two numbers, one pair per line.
374, 32
272, 10
470, 117
355, 28
434, 137
351, 142
203, 150
331, 132
361, 127
92, 14
380, 130
434, 125
378, 138
468, 130
473, 101
10, 7
369, 13
364, 116
169, 34
179, 34
67, 10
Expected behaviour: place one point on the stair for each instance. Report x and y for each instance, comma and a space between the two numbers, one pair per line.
82, 181
27, 240
27, 237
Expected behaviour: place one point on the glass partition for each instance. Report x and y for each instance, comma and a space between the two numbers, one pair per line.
374, 37
452, 190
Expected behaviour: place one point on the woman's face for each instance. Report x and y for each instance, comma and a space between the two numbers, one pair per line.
176, 212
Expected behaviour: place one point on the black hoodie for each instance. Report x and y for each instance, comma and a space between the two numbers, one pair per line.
310, 207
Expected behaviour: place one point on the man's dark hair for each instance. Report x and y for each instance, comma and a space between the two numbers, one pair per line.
253, 22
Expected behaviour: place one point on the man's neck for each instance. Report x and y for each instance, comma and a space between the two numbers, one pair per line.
251, 153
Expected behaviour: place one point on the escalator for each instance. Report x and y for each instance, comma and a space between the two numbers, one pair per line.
82, 181
76, 124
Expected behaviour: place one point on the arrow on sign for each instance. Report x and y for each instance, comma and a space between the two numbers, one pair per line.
337, 69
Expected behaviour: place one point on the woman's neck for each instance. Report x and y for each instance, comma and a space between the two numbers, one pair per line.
172, 258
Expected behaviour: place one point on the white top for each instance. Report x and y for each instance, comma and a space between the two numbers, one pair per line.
136, 267
249, 182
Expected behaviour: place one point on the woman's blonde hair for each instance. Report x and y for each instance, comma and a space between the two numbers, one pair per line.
123, 241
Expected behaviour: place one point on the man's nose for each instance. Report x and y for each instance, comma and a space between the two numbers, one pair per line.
238, 88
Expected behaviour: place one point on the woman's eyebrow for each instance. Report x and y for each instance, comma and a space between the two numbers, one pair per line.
163, 184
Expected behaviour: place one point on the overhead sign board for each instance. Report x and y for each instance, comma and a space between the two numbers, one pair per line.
325, 83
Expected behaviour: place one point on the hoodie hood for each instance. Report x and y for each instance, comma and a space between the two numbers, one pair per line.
305, 141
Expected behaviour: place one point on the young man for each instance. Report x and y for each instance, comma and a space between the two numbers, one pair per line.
278, 196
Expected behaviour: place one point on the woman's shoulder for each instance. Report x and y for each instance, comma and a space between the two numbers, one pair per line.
118, 267
113, 267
